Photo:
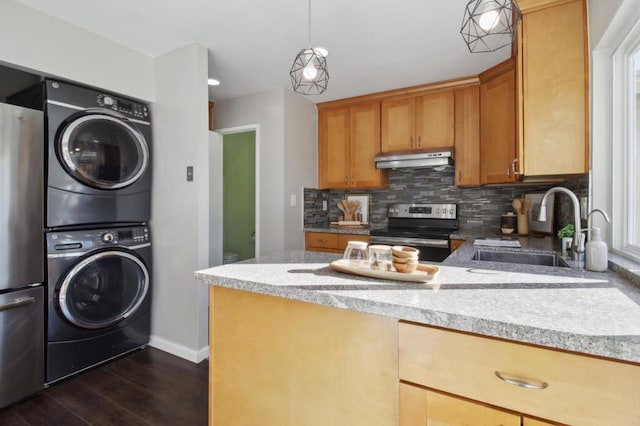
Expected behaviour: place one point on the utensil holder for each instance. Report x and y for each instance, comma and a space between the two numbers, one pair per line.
523, 224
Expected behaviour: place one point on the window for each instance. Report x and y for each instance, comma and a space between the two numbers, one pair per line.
615, 123
625, 164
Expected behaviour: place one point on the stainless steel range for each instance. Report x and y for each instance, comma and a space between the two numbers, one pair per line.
426, 227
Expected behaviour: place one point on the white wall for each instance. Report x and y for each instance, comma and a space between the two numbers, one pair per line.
600, 15
180, 232
301, 162
287, 159
37, 42
267, 110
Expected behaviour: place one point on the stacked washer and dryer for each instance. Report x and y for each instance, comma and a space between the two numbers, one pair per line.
98, 203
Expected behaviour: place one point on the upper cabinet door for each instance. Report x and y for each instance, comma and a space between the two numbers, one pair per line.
365, 144
467, 136
333, 148
555, 90
398, 125
434, 120
497, 129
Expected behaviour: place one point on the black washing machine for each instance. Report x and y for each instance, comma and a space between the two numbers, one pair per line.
99, 296
99, 165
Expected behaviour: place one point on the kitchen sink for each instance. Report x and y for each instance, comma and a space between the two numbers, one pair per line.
543, 259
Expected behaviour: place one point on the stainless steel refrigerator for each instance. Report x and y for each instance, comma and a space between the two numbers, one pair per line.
21, 253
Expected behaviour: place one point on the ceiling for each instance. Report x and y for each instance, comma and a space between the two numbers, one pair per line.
374, 45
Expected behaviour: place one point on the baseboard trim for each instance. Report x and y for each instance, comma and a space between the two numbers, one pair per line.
195, 356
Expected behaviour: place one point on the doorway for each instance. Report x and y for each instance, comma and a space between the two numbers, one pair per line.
239, 196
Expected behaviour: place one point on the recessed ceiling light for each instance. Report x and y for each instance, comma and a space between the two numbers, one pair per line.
213, 82
322, 51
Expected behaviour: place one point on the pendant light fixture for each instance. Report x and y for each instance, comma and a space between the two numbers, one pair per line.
309, 73
489, 25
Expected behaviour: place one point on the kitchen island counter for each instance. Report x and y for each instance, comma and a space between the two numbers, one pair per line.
578, 311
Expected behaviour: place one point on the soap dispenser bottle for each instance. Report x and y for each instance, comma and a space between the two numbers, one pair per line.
596, 252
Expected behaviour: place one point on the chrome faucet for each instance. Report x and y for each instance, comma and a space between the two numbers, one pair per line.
577, 246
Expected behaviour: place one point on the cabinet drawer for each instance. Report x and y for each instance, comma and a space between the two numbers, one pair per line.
343, 239
321, 240
581, 390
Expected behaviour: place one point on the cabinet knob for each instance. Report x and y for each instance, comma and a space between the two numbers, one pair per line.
419, 141
346, 180
411, 141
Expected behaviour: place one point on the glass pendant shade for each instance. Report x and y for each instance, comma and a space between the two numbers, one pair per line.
489, 25
309, 73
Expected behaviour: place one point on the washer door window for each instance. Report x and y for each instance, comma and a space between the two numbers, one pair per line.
103, 289
103, 151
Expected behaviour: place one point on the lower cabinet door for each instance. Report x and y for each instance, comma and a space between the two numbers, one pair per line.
420, 407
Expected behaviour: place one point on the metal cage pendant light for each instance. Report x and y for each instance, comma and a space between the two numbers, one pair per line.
309, 73
489, 25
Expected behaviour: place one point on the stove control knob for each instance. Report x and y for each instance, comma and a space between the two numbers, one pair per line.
437, 211
450, 211
107, 237
108, 100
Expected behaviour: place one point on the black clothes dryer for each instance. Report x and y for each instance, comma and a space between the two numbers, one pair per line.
99, 296
99, 157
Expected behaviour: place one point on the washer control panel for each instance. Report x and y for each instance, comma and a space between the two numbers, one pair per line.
81, 241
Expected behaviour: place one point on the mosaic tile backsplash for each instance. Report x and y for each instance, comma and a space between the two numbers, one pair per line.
479, 209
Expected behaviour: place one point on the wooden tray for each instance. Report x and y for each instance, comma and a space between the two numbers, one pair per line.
423, 274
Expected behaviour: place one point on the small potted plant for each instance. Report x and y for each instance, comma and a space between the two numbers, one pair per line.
566, 237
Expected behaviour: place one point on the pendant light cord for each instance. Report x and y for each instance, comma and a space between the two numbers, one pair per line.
309, 24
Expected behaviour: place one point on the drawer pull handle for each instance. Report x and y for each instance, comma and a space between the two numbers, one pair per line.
323, 240
521, 383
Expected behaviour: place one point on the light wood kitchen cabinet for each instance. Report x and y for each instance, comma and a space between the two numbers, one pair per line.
419, 407
455, 244
563, 387
553, 84
497, 123
348, 139
329, 242
276, 361
467, 136
418, 122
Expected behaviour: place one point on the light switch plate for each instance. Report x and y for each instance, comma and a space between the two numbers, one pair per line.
293, 200
324, 205
189, 173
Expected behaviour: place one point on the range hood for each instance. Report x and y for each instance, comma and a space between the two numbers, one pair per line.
431, 158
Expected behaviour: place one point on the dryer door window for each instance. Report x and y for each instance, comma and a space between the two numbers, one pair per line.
103, 289
103, 151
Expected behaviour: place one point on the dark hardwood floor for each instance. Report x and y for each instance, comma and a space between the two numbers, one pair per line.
148, 387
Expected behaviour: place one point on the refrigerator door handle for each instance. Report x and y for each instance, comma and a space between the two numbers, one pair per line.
22, 301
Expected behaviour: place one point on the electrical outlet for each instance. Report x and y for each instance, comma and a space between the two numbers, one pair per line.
324, 205
584, 207
189, 173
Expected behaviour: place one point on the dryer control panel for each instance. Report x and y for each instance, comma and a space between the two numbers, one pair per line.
79, 97
124, 107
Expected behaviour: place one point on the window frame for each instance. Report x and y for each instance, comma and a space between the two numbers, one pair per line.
624, 146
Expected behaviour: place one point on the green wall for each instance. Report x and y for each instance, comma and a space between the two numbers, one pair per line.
239, 186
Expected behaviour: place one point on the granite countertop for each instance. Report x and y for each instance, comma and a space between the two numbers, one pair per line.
569, 309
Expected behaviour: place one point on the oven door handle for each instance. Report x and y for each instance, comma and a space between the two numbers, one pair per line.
410, 242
